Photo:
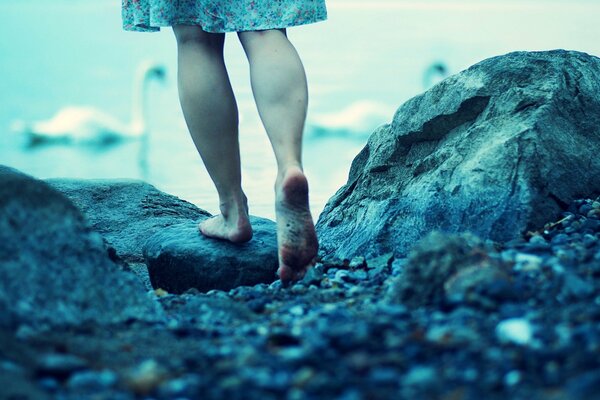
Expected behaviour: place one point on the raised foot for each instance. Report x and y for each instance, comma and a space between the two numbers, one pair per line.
296, 236
218, 227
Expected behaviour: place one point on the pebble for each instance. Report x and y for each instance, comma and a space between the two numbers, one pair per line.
145, 377
49, 384
92, 380
59, 365
181, 388
359, 275
561, 238
420, 376
512, 378
537, 242
589, 240
515, 330
341, 276
452, 335
527, 262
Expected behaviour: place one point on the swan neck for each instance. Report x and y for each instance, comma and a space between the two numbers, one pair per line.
139, 107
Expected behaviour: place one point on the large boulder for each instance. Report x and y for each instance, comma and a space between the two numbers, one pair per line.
127, 212
497, 150
180, 258
55, 271
150, 228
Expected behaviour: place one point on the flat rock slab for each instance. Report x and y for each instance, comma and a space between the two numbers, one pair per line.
179, 258
54, 271
126, 212
498, 150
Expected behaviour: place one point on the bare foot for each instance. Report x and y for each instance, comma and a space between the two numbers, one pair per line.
296, 236
232, 225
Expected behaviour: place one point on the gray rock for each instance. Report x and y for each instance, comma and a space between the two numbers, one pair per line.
54, 271
127, 212
444, 267
498, 149
180, 258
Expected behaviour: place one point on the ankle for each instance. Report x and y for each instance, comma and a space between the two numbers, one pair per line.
234, 206
283, 170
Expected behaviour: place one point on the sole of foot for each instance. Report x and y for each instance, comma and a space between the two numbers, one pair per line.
296, 236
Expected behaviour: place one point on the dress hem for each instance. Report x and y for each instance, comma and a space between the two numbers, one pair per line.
155, 26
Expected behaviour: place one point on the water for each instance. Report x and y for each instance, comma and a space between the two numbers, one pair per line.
368, 54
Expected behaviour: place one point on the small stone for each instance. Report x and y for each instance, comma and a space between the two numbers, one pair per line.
561, 238
589, 240
359, 275
145, 377
383, 375
512, 378
297, 310
59, 366
515, 330
527, 262
180, 388
451, 335
420, 376
342, 276
594, 214
276, 285
49, 384
585, 208
313, 276
92, 380
299, 288
303, 376
538, 240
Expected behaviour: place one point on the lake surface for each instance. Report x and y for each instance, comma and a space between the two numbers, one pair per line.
368, 55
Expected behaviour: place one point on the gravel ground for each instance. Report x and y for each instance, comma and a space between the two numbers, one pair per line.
459, 318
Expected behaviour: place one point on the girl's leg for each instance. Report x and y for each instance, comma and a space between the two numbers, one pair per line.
211, 114
280, 90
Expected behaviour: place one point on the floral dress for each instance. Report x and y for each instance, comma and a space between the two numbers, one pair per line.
221, 15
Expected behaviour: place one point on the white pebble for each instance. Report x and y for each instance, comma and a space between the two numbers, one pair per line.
515, 330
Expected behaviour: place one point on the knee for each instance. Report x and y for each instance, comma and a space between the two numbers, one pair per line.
188, 35
252, 38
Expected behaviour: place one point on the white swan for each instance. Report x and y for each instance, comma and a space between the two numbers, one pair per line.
359, 120
88, 125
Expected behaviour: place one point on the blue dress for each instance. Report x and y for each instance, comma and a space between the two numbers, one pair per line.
219, 16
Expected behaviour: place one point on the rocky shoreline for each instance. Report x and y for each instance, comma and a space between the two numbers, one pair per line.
525, 328
486, 286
